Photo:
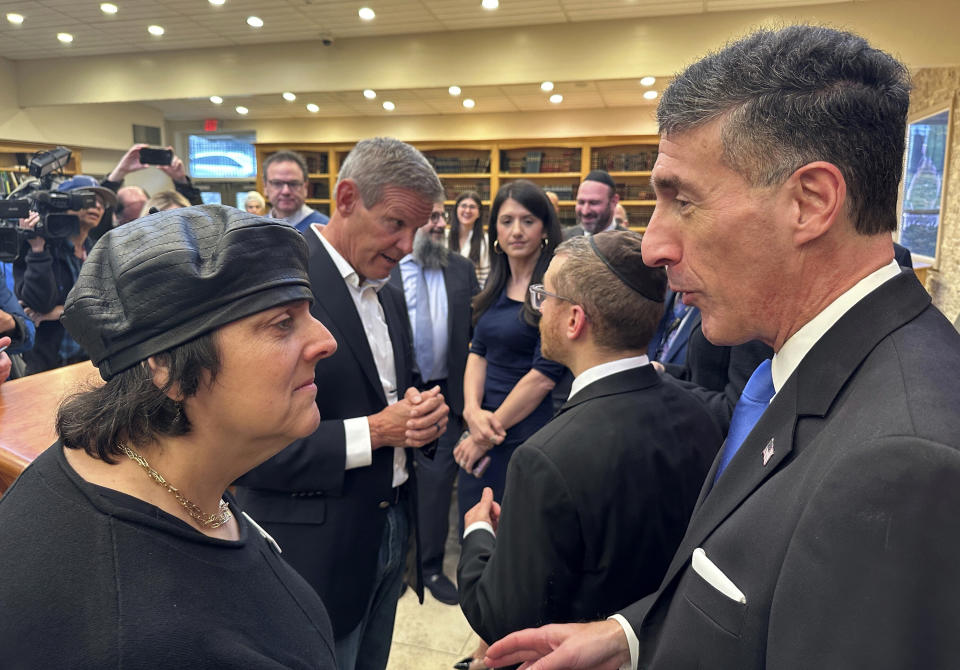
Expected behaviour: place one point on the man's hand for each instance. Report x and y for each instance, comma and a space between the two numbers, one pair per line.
37, 318
129, 163
418, 419
176, 170
5, 363
601, 645
484, 426
469, 451
7, 324
486, 510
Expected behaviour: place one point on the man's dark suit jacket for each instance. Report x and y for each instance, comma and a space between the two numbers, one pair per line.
843, 537
596, 502
460, 280
678, 348
577, 231
327, 520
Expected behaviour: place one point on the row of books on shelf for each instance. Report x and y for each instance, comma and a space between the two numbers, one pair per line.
317, 164
636, 161
635, 192
459, 165
319, 190
10, 181
453, 191
538, 161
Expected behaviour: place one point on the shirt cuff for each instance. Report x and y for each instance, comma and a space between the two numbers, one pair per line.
632, 641
479, 525
356, 434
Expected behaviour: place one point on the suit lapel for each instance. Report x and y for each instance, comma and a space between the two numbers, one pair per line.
398, 326
810, 391
336, 310
619, 382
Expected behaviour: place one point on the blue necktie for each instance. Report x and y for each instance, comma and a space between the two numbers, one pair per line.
423, 336
753, 401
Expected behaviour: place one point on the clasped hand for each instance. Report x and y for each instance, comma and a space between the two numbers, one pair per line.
417, 419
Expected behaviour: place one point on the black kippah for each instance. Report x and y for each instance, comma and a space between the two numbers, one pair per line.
603, 177
620, 252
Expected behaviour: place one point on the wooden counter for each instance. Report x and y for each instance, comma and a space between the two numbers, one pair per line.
28, 408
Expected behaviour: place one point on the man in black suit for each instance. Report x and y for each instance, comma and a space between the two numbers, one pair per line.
829, 541
597, 199
341, 502
438, 286
597, 500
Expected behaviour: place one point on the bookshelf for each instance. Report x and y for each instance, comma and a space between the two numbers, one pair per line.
557, 165
14, 158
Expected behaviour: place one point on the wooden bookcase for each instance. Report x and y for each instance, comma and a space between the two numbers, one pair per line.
15, 156
484, 166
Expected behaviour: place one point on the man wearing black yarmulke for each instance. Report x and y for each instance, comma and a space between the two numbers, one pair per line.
596, 201
597, 500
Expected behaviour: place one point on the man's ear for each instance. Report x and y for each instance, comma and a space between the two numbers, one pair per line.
576, 323
348, 196
161, 376
819, 194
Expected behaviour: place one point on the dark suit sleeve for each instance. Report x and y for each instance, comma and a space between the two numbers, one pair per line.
314, 463
870, 577
518, 580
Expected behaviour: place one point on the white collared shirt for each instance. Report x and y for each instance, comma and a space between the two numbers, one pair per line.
357, 430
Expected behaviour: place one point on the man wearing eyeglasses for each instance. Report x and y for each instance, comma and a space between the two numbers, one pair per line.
596, 501
285, 182
438, 287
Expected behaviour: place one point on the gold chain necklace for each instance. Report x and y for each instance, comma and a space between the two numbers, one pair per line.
216, 520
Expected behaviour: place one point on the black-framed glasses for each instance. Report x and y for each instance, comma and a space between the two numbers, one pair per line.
538, 294
435, 217
280, 183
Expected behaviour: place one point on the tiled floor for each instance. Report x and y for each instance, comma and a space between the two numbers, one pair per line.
432, 636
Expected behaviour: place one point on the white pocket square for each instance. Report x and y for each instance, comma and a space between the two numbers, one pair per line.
704, 567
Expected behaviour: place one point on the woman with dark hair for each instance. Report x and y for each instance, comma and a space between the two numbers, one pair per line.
466, 237
507, 382
122, 539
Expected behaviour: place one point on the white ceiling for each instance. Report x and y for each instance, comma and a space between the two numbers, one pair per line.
197, 23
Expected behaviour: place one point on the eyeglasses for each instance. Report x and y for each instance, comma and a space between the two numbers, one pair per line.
538, 295
435, 217
278, 184
468, 204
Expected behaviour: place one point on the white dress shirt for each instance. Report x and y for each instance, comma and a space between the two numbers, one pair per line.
357, 430
783, 364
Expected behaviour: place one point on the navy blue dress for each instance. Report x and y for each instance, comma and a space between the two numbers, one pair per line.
511, 348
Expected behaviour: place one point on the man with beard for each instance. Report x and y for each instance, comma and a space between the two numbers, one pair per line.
596, 200
438, 287
45, 272
597, 500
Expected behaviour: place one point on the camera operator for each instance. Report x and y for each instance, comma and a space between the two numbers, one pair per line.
131, 163
47, 270
16, 332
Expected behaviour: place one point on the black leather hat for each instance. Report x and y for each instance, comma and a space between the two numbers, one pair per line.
167, 278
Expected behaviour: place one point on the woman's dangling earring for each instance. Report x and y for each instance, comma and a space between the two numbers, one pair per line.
496, 247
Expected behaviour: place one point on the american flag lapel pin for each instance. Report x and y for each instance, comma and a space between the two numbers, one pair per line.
768, 452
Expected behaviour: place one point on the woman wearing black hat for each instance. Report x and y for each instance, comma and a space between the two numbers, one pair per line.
121, 546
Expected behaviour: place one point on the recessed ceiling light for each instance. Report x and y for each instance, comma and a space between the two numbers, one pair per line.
66, 38
490, 4
367, 14
218, 3
369, 94
216, 99
15, 18
454, 90
469, 103
648, 81
289, 97
546, 86
241, 109
156, 31
108, 8
313, 108
649, 95
556, 98
389, 106
255, 22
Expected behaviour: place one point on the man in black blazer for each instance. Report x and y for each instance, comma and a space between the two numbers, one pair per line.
597, 199
341, 503
440, 345
597, 500
830, 539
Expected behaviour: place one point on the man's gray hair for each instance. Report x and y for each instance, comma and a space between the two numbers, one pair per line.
801, 94
384, 161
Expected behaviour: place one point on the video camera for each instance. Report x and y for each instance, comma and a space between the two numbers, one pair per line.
34, 195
